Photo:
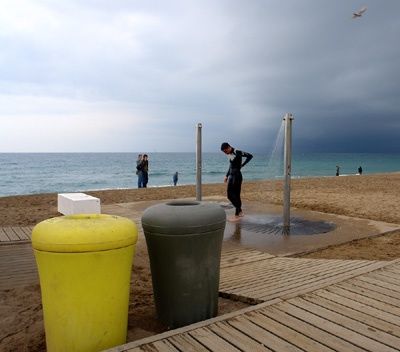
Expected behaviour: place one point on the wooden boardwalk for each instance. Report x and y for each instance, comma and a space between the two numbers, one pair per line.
233, 255
357, 310
265, 280
17, 266
300, 304
15, 234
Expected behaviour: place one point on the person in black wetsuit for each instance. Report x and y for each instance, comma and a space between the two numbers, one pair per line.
234, 176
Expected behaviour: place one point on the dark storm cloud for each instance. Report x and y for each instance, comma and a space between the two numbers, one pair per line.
236, 66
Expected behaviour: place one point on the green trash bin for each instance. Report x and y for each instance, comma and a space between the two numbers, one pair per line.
184, 240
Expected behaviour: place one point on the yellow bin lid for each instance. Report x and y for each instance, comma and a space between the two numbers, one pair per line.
84, 233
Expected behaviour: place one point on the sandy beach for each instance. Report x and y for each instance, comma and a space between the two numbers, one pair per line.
374, 197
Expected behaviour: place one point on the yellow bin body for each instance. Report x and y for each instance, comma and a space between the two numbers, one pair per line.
84, 264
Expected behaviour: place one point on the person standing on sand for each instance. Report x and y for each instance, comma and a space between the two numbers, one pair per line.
139, 171
145, 170
337, 170
360, 170
175, 178
234, 176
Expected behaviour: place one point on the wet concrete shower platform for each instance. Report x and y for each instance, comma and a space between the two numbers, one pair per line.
261, 229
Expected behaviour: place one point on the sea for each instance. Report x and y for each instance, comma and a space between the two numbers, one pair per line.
33, 173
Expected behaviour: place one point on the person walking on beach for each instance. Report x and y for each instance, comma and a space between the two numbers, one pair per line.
360, 170
337, 170
175, 178
139, 171
145, 170
234, 176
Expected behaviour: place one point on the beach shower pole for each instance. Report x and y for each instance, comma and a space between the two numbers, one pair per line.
287, 172
198, 162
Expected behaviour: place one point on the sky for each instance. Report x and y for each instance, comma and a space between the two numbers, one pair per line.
137, 76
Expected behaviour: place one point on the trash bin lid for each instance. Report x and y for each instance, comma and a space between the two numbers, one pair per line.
183, 217
84, 233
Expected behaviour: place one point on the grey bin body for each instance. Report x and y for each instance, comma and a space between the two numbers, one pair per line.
184, 240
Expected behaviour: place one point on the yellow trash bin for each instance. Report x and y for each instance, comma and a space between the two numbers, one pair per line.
84, 264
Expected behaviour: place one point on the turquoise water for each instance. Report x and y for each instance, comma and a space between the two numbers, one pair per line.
29, 173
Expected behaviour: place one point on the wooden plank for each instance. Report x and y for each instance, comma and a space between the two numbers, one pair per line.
228, 252
232, 279
184, 342
188, 328
301, 288
26, 230
268, 272
21, 234
393, 271
390, 341
284, 283
272, 267
314, 332
375, 322
372, 291
24, 268
387, 276
10, 234
29, 229
380, 283
263, 273
261, 335
159, 346
18, 282
136, 349
387, 317
18, 267
367, 301
342, 332
277, 264
395, 267
212, 341
240, 259
3, 236
395, 264
237, 338
329, 281
254, 293
286, 333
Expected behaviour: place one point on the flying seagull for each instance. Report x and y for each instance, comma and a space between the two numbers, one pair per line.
359, 13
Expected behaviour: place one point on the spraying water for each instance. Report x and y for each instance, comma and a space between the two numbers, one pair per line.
275, 162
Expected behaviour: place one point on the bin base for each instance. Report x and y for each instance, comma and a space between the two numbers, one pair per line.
85, 298
185, 275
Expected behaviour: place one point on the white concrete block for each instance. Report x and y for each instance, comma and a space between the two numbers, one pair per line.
78, 203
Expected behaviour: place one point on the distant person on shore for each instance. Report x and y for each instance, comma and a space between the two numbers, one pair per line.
337, 170
175, 178
360, 170
145, 170
234, 177
139, 171
142, 170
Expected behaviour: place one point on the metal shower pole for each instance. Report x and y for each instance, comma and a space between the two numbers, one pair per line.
287, 172
198, 162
